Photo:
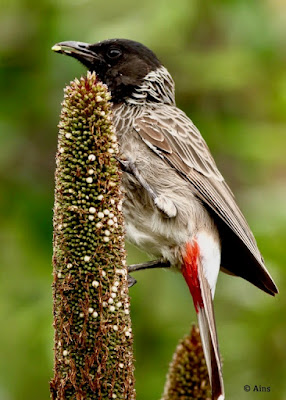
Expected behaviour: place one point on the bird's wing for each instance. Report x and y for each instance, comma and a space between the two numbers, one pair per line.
174, 137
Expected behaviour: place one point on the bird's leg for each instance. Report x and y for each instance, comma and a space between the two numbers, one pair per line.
160, 263
128, 166
163, 203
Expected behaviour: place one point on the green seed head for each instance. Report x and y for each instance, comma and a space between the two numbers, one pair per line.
93, 340
188, 375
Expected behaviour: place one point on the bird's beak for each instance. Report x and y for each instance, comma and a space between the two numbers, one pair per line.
79, 50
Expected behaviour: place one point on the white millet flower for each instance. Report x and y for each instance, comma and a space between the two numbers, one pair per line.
112, 308
95, 314
95, 283
65, 353
106, 239
91, 157
86, 258
92, 210
119, 271
89, 179
115, 327
100, 197
100, 214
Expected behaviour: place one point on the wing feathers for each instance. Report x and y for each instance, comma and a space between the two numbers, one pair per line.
173, 136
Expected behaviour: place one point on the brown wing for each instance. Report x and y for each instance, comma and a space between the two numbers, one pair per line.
173, 136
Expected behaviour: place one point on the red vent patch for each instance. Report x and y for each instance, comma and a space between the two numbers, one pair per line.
190, 273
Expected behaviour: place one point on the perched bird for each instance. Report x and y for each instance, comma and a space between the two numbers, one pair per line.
177, 205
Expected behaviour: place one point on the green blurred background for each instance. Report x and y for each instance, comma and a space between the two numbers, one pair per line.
228, 59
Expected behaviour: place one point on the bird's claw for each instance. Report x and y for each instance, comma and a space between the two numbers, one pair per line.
131, 281
124, 165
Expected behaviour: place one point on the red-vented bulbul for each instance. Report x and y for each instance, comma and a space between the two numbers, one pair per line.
177, 205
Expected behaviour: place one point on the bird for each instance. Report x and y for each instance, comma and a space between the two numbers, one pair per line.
177, 205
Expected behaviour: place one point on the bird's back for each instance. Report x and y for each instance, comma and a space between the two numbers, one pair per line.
174, 158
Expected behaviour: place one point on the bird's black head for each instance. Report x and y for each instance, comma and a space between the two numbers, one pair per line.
120, 63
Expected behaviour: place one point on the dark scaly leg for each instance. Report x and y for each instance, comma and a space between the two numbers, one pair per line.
164, 204
160, 263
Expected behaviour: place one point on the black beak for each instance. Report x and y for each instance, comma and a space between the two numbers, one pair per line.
79, 50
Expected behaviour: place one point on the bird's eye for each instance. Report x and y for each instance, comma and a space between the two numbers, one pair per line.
114, 53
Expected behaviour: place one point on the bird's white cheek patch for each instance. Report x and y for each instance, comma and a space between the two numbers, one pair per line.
210, 257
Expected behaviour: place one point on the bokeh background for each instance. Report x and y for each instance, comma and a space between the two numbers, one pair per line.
228, 59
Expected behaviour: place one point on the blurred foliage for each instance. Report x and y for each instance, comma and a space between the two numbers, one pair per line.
229, 62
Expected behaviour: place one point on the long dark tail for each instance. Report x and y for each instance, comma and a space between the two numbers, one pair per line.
199, 287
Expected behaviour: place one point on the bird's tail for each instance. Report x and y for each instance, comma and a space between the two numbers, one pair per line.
193, 273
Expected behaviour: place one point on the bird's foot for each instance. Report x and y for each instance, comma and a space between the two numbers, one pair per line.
131, 281
160, 263
129, 166
164, 204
